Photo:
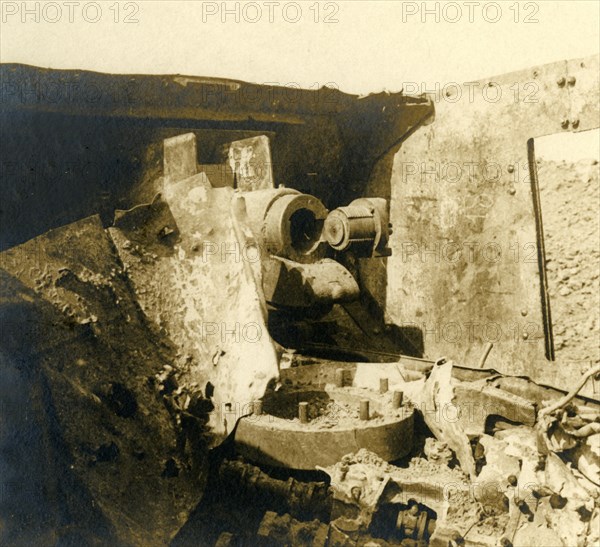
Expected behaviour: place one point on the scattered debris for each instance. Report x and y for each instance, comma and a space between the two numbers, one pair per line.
439, 409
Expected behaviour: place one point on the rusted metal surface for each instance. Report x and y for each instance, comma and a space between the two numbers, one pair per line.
203, 303
379, 123
363, 484
205, 261
285, 530
75, 92
468, 264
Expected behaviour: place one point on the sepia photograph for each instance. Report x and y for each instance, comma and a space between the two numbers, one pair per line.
300, 273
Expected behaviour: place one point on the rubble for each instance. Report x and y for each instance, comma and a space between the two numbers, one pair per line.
284, 530
437, 452
572, 231
88, 400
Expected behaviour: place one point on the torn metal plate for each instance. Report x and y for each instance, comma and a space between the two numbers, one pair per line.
250, 160
202, 288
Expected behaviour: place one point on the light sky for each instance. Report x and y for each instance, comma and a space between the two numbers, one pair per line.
372, 46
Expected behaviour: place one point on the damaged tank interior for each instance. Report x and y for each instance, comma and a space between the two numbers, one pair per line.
239, 314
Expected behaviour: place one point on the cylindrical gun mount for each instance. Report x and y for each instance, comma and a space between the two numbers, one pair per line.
288, 222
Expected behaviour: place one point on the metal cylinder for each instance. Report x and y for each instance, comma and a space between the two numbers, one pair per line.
383, 385
397, 399
339, 377
348, 226
286, 222
361, 227
303, 412
293, 226
364, 409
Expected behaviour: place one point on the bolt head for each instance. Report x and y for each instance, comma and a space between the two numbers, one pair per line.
575, 123
511, 168
560, 82
572, 80
564, 123
512, 191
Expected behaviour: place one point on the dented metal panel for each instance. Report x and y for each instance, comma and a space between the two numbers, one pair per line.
468, 263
